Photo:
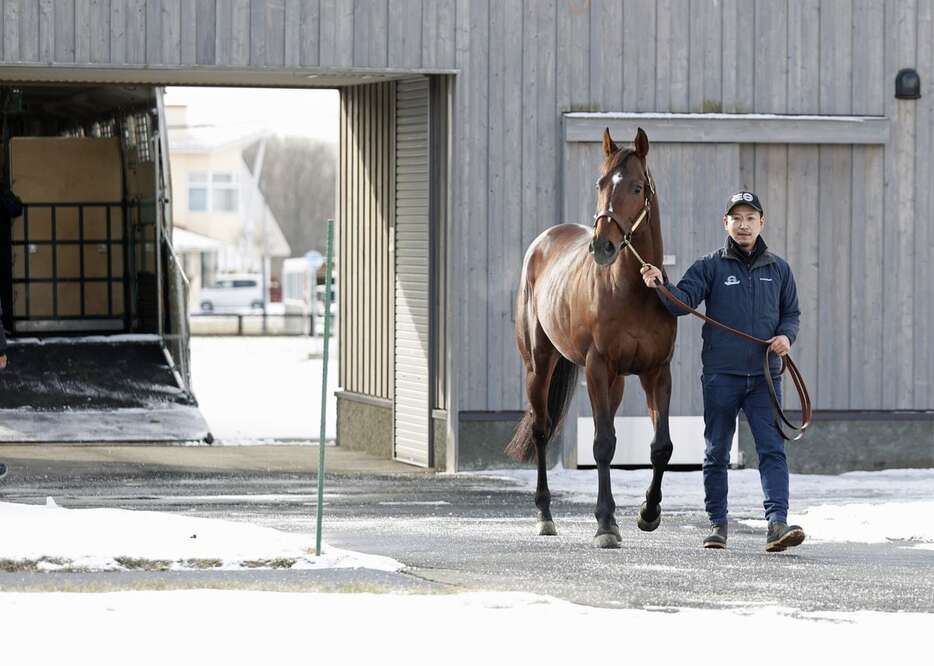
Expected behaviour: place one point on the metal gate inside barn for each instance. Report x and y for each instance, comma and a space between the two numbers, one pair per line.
389, 300
818, 178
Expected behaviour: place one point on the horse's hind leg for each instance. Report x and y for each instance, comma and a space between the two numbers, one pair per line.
657, 386
538, 382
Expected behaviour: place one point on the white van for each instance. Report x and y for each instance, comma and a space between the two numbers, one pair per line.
234, 291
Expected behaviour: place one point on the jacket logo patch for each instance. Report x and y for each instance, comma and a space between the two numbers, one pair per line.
766, 279
731, 280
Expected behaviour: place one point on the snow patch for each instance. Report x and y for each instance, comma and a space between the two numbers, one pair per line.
52, 537
256, 390
239, 627
903, 522
87, 339
861, 507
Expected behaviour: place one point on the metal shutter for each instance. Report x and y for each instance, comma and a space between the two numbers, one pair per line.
411, 411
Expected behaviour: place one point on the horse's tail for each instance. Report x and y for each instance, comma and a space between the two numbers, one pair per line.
560, 393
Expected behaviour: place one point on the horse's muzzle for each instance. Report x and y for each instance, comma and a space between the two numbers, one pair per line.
604, 252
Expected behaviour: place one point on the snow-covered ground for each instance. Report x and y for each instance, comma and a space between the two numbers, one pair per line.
53, 538
232, 628
867, 507
262, 389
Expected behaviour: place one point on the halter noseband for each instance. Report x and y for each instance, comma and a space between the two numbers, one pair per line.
610, 215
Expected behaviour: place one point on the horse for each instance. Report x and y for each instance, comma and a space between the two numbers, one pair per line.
582, 303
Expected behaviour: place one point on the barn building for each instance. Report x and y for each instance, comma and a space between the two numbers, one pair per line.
469, 126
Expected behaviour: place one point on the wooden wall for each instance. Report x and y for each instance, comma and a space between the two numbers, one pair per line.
365, 263
522, 63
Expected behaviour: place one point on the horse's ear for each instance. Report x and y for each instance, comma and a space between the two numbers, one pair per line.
609, 146
642, 143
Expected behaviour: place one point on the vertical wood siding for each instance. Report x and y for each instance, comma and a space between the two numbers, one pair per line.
366, 218
522, 63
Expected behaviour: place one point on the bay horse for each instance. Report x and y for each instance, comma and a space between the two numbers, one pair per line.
582, 304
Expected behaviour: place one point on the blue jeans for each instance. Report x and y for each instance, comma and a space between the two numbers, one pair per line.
724, 396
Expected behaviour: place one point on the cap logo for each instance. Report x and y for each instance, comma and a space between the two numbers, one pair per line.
747, 196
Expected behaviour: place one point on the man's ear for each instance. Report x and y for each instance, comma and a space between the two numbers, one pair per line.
609, 146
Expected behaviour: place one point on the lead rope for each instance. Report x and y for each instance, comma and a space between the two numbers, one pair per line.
787, 364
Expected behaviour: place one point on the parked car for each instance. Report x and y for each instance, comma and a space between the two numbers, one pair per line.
232, 292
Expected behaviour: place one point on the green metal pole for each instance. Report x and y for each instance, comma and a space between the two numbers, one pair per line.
324, 383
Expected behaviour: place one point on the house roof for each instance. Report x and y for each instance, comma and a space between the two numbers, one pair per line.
189, 241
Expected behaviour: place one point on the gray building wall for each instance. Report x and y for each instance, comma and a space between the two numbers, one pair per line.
865, 261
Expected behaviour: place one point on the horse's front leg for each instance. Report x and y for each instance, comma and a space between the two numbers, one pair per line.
599, 383
657, 385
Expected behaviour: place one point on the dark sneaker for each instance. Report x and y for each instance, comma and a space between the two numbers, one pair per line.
782, 536
717, 537
2, 470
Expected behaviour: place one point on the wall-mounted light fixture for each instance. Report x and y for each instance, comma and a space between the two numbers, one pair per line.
907, 84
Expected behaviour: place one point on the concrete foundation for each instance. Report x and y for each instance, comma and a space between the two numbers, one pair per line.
839, 442
364, 424
439, 424
484, 435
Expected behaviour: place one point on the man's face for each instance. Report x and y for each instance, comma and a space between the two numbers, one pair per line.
744, 224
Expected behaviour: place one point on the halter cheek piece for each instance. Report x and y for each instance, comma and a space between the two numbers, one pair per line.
613, 217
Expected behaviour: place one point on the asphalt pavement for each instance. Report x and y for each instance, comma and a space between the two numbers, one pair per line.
453, 533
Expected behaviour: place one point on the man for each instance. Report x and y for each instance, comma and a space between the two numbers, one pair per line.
749, 288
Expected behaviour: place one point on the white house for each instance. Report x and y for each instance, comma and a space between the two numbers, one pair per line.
222, 222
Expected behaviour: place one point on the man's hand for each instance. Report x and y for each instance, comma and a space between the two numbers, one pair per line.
780, 344
650, 274
2, 361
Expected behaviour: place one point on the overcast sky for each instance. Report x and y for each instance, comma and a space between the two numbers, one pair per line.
230, 112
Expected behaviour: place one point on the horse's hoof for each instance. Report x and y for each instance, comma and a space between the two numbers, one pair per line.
547, 528
615, 531
606, 540
648, 525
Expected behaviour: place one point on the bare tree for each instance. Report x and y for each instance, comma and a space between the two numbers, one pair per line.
298, 182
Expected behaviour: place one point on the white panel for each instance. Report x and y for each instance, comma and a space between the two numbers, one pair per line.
634, 435
412, 348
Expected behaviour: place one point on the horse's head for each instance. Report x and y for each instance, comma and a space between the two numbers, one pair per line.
623, 197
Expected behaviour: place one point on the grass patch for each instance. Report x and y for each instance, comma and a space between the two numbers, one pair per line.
16, 566
202, 563
142, 564
35, 566
275, 563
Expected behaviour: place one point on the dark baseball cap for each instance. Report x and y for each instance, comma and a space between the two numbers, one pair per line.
748, 198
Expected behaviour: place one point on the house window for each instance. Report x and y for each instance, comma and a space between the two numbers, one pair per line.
224, 192
197, 192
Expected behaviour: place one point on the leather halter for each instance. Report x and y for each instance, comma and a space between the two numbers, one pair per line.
611, 215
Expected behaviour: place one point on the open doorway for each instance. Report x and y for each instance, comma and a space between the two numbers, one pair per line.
221, 274
254, 181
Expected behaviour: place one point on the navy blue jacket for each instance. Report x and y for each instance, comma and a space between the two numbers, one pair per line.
761, 300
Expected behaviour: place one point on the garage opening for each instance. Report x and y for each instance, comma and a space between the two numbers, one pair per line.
254, 182
118, 269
